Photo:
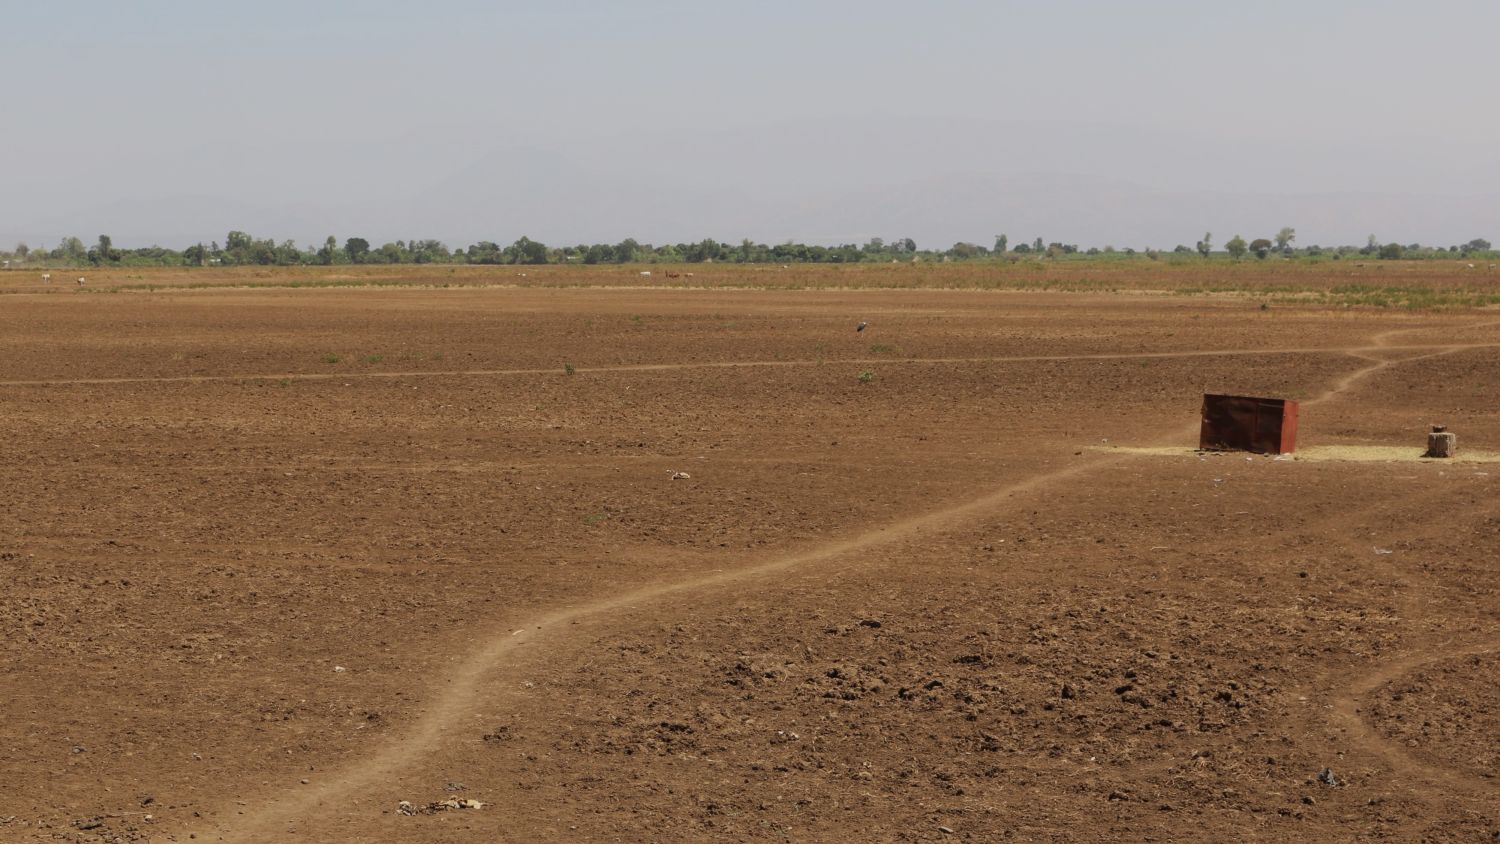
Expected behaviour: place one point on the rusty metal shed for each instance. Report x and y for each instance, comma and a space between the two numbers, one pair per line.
1246, 423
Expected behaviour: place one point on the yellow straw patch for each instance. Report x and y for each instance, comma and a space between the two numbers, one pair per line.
1346, 453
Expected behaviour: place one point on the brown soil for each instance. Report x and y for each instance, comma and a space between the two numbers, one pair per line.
280, 559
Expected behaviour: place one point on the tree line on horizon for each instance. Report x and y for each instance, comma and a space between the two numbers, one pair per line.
241, 249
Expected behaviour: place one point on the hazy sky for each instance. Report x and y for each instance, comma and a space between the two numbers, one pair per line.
1130, 123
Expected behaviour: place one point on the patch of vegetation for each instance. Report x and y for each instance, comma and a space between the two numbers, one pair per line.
568, 369
331, 358
374, 358
866, 377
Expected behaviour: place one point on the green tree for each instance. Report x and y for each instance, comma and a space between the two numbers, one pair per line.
262, 252
393, 253
1285, 237
237, 248
70, 249
1391, 251
22, 250
106, 248
356, 248
526, 251
1261, 247
1206, 245
287, 254
485, 252
1001, 243
428, 251
329, 252
1236, 247
707, 249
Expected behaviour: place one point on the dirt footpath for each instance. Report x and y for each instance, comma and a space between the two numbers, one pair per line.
682, 565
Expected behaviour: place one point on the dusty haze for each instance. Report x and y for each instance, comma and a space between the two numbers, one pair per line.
1093, 123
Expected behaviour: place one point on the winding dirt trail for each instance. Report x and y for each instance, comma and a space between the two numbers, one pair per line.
1380, 343
1347, 705
457, 697
1344, 698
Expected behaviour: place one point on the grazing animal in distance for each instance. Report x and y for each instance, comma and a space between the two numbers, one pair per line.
46, 278
80, 281
861, 326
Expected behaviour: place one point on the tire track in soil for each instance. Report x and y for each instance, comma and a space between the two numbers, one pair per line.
456, 699
674, 367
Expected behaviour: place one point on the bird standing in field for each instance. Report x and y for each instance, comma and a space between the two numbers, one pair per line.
861, 326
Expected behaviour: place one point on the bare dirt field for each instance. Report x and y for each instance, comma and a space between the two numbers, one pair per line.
277, 558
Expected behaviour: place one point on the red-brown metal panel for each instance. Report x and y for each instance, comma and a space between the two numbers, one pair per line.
1246, 423
1288, 444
